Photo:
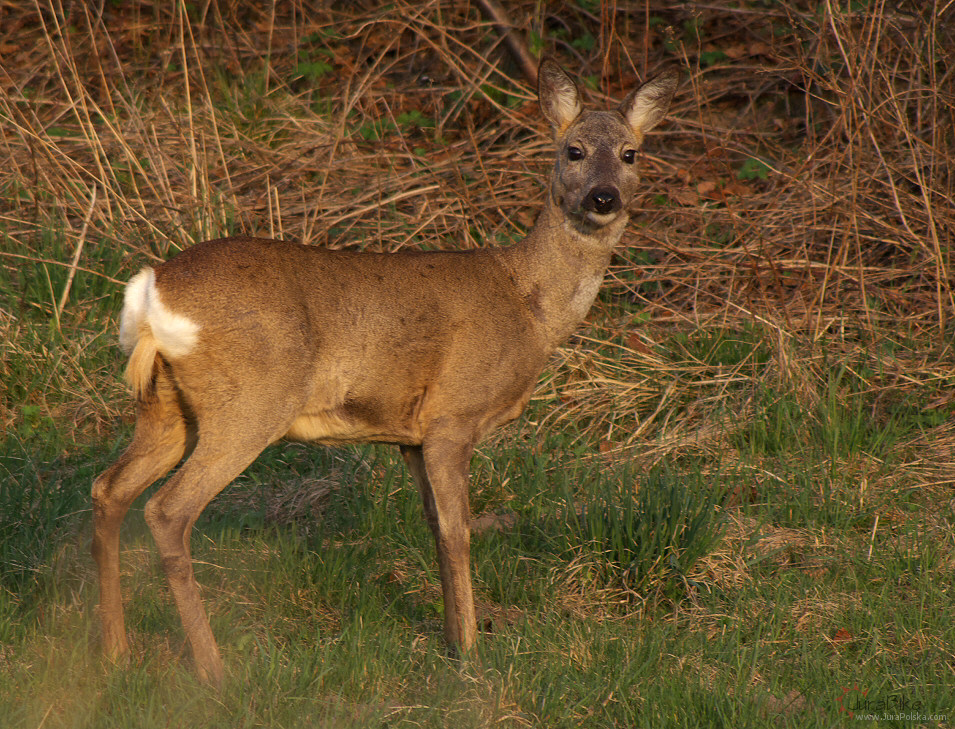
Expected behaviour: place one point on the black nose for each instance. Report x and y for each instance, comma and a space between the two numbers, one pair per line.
603, 200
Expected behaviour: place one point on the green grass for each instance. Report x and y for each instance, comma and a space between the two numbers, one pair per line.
328, 610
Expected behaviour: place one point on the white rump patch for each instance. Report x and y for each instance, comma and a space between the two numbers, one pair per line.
134, 308
175, 334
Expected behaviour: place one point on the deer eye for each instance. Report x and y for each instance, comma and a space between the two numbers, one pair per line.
575, 153
629, 156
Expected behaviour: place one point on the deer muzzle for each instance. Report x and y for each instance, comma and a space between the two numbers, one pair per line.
602, 201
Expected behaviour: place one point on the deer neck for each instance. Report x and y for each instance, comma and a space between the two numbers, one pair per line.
558, 269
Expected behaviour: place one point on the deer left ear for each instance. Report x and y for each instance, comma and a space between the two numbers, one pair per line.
645, 106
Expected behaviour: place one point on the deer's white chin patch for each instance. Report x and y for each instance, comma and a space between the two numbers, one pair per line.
601, 220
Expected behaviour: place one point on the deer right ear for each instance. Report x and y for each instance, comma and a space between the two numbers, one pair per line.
559, 98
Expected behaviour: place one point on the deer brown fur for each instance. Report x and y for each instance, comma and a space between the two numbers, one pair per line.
236, 343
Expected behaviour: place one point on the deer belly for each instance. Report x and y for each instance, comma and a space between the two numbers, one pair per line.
357, 422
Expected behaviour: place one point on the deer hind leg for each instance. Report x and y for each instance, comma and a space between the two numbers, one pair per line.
164, 433
440, 468
227, 445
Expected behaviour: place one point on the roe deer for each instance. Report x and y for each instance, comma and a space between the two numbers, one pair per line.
236, 343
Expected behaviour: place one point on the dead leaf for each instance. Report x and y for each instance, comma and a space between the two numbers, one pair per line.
685, 197
841, 636
735, 51
740, 189
636, 344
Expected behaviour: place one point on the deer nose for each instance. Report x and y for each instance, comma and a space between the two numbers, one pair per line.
603, 200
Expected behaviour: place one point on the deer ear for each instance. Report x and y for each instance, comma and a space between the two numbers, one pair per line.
645, 106
559, 98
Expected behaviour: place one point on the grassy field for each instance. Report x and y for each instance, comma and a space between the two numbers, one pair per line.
731, 500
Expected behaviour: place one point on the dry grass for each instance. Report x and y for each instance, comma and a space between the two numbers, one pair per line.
803, 186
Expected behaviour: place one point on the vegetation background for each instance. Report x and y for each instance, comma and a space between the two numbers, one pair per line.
731, 500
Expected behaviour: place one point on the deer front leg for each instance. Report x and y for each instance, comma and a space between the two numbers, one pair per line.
440, 468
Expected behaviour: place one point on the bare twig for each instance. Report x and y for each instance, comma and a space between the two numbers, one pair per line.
76, 257
523, 56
